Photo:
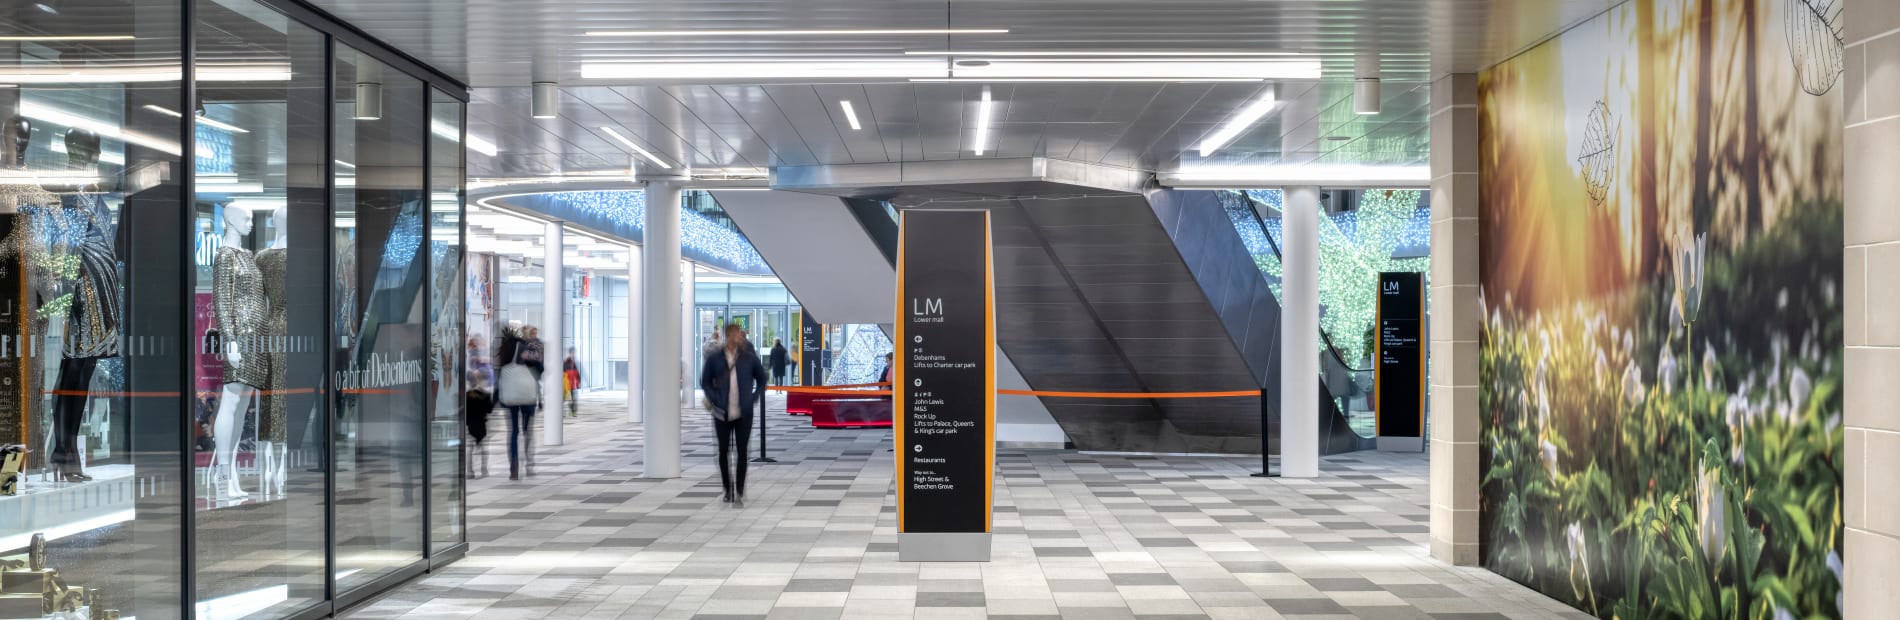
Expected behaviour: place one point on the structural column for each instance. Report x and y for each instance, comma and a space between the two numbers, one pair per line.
553, 301
661, 319
1871, 292
636, 354
1455, 319
1299, 334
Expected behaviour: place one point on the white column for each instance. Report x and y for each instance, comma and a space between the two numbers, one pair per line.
553, 301
661, 324
1299, 334
636, 354
688, 353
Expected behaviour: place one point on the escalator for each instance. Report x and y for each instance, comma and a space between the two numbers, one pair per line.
1106, 285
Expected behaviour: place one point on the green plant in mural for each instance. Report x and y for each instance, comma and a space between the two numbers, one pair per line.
1632, 488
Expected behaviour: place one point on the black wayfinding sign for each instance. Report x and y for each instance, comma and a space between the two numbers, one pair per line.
811, 351
945, 386
1400, 361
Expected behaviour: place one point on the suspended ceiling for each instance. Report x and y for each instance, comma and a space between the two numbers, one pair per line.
500, 46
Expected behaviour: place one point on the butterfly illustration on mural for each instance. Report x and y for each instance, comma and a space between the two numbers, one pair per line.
1815, 43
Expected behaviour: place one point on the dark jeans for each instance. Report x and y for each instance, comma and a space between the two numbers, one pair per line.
732, 433
520, 433
69, 407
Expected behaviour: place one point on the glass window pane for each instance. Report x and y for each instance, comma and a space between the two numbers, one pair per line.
260, 206
84, 162
446, 347
380, 324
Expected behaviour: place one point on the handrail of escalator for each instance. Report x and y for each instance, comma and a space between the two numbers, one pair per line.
1328, 340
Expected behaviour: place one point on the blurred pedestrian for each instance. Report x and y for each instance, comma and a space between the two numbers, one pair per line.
571, 381
519, 389
733, 379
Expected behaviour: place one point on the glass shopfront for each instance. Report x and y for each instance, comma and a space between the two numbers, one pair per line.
231, 343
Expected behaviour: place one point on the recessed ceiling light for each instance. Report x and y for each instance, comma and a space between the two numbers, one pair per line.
1089, 80
983, 121
1240, 122
636, 148
792, 32
45, 8
850, 115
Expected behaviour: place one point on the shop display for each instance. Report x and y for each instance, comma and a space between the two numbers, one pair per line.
32, 590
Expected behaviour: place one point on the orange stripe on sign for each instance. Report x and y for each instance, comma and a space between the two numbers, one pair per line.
1053, 394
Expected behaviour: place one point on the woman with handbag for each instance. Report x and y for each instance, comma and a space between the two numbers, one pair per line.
518, 387
734, 381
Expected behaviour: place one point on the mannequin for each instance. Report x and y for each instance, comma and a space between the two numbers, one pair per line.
272, 418
92, 320
15, 135
238, 295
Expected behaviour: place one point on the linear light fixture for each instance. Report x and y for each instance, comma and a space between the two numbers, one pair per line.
1240, 122
66, 37
151, 73
1091, 53
798, 32
850, 115
1279, 175
833, 68
636, 148
1178, 70
104, 129
983, 122
475, 143
206, 121
1088, 80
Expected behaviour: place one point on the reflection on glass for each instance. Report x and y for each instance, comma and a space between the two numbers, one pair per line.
379, 322
92, 410
260, 205
446, 348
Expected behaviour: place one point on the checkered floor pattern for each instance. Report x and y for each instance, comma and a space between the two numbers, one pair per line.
1078, 535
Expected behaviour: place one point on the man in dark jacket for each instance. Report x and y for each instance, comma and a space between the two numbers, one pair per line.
733, 378
780, 361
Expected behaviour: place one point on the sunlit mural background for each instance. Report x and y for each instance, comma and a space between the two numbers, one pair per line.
1661, 268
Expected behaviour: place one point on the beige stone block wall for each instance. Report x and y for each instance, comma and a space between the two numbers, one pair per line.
1872, 296
1456, 318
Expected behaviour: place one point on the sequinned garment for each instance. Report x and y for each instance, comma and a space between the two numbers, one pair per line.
270, 264
92, 323
237, 293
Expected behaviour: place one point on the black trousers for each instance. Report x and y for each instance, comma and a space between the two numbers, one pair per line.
731, 433
69, 407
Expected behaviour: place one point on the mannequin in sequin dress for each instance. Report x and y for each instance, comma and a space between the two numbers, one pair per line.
272, 415
92, 317
237, 293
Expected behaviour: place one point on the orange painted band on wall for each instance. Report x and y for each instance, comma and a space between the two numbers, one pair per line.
1052, 394
102, 394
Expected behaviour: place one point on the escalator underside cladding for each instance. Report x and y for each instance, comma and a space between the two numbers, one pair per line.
1094, 296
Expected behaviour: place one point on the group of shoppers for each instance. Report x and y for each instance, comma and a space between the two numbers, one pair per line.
512, 382
733, 378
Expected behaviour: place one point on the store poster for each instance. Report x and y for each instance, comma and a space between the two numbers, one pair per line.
945, 382
210, 359
1660, 363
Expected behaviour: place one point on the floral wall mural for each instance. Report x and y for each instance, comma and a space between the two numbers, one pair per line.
1661, 358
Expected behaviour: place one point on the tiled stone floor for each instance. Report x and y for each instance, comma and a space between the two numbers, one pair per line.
1078, 535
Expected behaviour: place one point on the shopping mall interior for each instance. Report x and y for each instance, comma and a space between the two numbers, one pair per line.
1085, 309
